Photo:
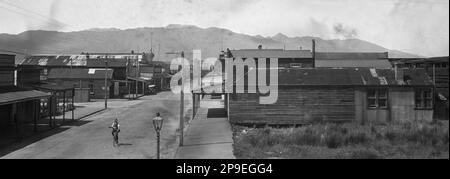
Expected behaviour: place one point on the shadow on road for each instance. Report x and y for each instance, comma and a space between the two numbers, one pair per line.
18, 144
76, 123
10, 142
217, 113
123, 144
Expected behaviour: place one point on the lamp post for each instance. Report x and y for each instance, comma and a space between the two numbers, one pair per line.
157, 125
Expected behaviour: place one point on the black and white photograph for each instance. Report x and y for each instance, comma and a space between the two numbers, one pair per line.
196, 80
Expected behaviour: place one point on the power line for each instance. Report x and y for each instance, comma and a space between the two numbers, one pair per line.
46, 17
36, 16
24, 14
10, 51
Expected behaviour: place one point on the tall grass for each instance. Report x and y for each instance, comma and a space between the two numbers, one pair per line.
410, 140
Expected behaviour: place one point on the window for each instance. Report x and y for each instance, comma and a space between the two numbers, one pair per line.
424, 99
296, 65
44, 72
91, 89
377, 98
300, 65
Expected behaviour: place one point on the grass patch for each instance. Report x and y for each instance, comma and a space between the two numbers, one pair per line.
344, 141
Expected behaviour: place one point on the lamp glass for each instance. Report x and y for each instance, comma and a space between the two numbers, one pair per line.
157, 123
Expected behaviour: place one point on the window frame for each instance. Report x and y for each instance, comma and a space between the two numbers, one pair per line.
424, 99
377, 97
91, 90
296, 65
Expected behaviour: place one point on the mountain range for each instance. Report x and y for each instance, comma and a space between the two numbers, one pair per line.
169, 40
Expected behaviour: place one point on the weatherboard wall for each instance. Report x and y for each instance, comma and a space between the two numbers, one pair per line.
295, 106
401, 107
301, 105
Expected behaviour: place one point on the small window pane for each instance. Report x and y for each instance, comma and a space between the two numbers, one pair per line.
418, 94
372, 103
372, 94
428, 94
383, 93
382, 103
428, 103
418, 103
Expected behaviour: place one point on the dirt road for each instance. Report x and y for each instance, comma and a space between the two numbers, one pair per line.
91, 137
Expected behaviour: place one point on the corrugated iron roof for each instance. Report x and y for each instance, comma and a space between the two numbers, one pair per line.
444, 59
53, 87
340, 77
414, 77
318, 77
350, 76
343, 63
271, 53
78, 73
13, 94
351, 55
77, 60
352, 60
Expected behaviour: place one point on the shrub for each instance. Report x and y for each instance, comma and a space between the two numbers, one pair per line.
251, 138
338, 128
410, 140
445, 141
334, 140
357, 138
302, 136
365, 154
391, 135
423, 135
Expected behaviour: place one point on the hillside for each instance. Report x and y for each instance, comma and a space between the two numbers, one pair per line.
171, 38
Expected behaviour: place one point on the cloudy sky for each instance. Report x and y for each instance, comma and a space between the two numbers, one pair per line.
415, 26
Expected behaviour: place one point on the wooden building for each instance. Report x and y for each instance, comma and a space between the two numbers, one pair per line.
17, 105
339, 95
92, 79
437, 69
28, 77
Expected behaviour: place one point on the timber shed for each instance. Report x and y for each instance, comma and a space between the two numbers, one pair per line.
339, 95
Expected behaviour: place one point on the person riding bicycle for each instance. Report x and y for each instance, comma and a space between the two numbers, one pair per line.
115, 132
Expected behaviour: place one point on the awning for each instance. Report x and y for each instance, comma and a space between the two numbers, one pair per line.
12, 94
138, 79
54, 87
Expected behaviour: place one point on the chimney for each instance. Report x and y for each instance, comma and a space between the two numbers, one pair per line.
399, 75
314, 52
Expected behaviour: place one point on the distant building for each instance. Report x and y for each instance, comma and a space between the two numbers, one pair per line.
92, 79
126, 78
286, 58
352, 60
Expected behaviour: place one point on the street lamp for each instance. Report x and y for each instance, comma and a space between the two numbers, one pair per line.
157, 125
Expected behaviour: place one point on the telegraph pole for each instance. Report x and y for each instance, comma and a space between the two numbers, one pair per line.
137, 75
106, 82
182, 106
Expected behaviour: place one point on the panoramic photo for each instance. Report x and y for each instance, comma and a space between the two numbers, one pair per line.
228, 79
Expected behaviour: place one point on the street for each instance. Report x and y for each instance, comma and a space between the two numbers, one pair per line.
91, 137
